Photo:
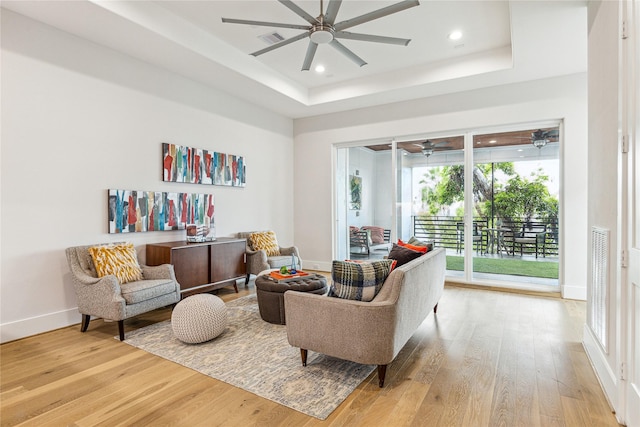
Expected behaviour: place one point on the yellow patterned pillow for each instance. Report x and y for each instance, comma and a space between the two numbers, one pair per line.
266, 241
120, 260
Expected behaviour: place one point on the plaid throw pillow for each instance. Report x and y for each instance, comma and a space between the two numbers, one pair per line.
359, 281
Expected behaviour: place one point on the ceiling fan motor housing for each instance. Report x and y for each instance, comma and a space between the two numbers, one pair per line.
321, 34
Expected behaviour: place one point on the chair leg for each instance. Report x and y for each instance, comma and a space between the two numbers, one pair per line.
246, 280
435, 308
303, 356
85, 322
382, 371
121, 329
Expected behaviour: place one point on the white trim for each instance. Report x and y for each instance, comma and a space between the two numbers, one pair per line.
36, 325
606, 377
574, 292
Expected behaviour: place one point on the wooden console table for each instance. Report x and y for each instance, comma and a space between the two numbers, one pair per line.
202, 267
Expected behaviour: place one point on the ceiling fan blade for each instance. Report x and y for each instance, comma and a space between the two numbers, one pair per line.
371, 38
298, 11
332, 11
282, 43
406, 4
308, 59
346, 52
264, 24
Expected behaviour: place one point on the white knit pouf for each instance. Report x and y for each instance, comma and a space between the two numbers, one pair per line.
199, 318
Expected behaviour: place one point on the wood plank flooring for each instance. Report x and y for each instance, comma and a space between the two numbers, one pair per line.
487, 359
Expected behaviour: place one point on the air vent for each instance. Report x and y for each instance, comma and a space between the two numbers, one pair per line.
598, 301
271, 38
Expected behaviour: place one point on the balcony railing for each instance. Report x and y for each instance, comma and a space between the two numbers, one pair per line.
515, 237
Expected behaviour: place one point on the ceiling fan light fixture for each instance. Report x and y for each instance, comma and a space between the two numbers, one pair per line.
539, 143
321, 34
427, 151
539, 138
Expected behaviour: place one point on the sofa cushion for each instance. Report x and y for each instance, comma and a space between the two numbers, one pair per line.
359, 281
265, 241
403, 254
117, 259
144, 290
416, 248
417, 242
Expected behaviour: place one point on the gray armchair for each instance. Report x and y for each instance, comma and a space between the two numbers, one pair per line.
258, 261
107, 298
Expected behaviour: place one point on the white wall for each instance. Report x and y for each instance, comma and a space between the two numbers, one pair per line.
556, 98
78, 119
604, 190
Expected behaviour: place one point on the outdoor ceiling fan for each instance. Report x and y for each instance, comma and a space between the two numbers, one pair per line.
540, 138
428, 147
324, 29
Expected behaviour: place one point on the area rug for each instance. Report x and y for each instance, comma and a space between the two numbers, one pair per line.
255, 355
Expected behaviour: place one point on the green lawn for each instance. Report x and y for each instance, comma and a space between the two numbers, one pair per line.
516, 267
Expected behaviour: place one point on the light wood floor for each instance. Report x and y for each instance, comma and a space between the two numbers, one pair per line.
488, 359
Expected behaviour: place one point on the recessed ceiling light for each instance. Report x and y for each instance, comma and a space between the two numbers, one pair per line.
320, 69
493, 141
455, 35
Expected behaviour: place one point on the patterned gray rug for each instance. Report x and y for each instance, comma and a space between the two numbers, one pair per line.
255, 355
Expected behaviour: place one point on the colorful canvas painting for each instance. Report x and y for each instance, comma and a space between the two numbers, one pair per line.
132, 211
198, 166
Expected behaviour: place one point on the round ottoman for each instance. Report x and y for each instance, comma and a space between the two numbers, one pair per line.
270, 294
199, 318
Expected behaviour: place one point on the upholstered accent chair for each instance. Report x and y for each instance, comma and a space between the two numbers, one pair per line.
109, 299
258, 260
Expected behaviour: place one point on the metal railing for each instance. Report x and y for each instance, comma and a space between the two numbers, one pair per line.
516, 236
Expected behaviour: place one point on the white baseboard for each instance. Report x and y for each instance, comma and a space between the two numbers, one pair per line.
316, 265
574, 292
36, 325
604, 373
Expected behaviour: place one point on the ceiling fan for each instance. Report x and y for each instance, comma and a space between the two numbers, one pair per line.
540, 138
324, 29
428, 147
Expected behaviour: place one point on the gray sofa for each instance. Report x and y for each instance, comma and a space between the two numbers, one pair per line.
371, 333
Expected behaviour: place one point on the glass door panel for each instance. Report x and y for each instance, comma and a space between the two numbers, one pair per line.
364, 204
516, 193
437, 195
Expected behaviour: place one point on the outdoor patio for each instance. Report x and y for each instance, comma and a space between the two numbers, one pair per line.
529, 255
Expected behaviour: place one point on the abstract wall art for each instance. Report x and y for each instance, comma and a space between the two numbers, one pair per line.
355, 184
198, 166
132, 211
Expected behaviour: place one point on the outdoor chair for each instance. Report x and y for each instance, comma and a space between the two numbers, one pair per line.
532, 235
477, 236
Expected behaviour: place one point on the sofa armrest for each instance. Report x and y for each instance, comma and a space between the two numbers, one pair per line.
353, 330
256, 261
164, 271
289, 251
91, 298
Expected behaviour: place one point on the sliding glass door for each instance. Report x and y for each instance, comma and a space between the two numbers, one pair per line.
491, 200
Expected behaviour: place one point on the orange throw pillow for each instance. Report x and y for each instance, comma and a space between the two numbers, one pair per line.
422, 249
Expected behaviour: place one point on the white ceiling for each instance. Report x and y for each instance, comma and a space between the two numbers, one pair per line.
502, 42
